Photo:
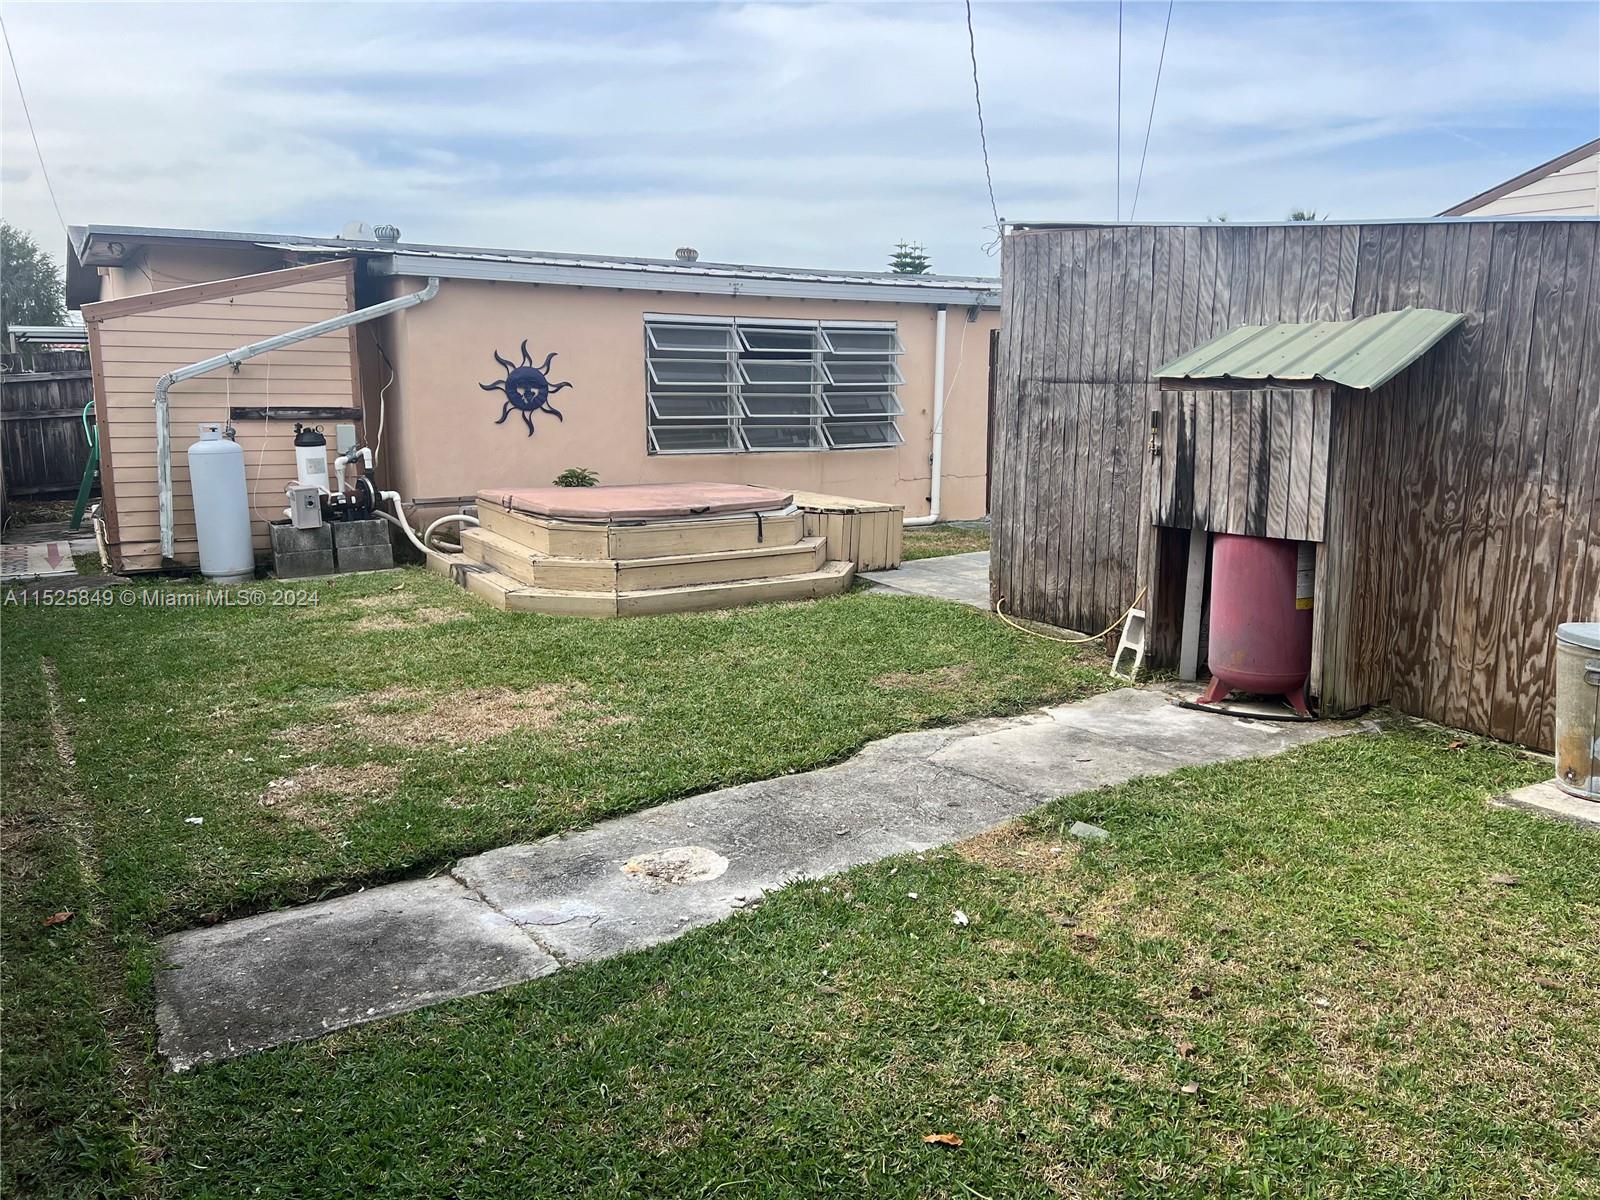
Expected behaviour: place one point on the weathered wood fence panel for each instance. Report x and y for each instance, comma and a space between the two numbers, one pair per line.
1463, 497
1276, 483
42, 448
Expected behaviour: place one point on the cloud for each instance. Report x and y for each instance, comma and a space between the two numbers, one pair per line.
805, 134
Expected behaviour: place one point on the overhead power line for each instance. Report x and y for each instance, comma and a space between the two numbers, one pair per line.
983, 137
23, 96
1119, 110
1151, 120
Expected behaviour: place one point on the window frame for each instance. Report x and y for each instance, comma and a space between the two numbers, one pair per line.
768, 382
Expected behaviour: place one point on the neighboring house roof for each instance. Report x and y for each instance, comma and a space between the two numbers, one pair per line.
1363, 353
1568, 185
107, 245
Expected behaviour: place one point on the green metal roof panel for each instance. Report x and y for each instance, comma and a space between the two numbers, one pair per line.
1364, 353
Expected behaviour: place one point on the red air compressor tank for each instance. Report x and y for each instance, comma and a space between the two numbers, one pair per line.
1260, 618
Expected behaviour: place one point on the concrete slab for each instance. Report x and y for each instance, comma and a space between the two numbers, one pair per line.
579, 899
291, 975
1549, 800
647, 878
1114, 737
963, 578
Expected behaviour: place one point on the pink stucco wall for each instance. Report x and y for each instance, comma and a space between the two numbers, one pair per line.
440, 439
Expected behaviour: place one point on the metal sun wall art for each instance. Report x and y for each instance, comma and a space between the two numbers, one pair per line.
527, 388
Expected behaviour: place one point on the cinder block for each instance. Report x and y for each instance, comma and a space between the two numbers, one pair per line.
359, 533
286, 539
365, 558
303, 564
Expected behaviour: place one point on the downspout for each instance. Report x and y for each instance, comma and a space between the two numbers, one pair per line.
938, 422
234, 358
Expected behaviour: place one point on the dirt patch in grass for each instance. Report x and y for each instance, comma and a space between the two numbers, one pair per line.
394, 619
325, 797
396, 715
944, 680
1013, 847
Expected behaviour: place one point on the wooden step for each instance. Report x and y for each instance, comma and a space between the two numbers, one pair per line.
831, 579
507, 593
658, 539
639, 574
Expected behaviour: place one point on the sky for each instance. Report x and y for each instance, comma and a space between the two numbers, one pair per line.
794, 134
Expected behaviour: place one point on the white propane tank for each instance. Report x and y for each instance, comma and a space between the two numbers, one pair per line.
311, 458
221, 507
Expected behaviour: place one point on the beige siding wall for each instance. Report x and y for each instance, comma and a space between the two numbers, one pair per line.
137, 340
1573, 191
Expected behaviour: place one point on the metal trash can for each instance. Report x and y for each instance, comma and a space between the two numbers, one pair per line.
1578, 708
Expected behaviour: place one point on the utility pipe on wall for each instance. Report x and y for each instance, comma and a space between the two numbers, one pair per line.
938, 421
234, 358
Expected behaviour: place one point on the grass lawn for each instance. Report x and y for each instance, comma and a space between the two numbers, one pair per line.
936, 541
228, 759
1337, 974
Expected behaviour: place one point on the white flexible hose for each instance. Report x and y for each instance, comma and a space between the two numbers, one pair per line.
404, 525
447, 519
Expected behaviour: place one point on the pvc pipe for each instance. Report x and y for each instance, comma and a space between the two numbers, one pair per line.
938, 422
243, 354
405, 525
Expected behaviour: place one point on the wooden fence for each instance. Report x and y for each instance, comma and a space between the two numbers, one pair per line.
42, 447
1463, 521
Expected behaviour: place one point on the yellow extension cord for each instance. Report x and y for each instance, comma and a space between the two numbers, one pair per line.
999, 611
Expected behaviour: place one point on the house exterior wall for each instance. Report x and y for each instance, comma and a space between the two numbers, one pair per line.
135, 340
1572, 190
161, 267
441, 440
1463, 497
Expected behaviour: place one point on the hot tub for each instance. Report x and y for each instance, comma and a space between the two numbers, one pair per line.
638, 502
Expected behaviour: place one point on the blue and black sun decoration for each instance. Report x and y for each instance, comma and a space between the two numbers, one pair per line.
527, 388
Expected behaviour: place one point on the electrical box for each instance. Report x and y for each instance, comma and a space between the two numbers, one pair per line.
305, 505
344, 438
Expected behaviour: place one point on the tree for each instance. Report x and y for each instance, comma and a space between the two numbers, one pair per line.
909, 258
1304, 214
30, 282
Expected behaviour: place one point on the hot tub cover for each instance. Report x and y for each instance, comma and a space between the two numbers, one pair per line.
637, 501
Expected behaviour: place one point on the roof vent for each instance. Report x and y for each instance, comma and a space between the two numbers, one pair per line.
387, 233
355, 231
686, 254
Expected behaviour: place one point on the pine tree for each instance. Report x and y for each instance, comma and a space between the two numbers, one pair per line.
909, 258
30, 282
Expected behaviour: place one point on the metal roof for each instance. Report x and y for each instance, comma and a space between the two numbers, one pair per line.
1364, 353
110, 244
49, 334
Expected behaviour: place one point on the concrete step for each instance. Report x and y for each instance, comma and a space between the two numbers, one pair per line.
658, 539
637, 574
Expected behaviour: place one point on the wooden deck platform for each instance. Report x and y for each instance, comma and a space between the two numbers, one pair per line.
525, 563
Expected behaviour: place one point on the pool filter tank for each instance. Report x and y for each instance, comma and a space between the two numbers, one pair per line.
221, 507
311, 457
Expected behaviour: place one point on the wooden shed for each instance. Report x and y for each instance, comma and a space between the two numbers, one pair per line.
1158, 384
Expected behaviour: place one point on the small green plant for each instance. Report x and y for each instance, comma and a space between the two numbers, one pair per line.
577, 477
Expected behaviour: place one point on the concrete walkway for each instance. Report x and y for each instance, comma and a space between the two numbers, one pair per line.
963, 578
517, 913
